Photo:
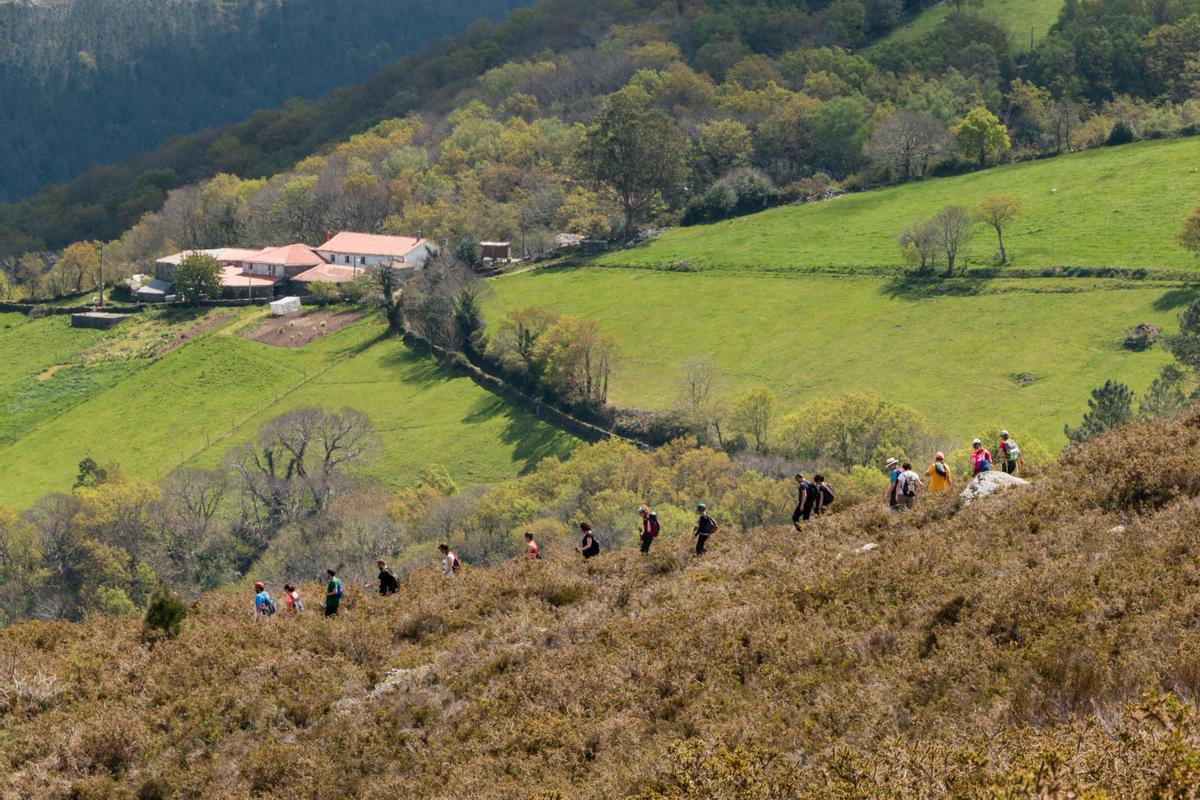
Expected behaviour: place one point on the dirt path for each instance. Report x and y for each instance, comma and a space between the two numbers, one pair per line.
48, 374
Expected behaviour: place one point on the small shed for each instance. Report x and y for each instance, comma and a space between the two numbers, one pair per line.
96, 319
284, 306
496, 251
153, 291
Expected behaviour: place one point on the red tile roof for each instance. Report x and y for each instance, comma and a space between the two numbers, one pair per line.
289, 255
223, 254
233, 277
371, 244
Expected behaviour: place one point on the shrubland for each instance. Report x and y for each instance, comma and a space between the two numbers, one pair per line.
1037, 643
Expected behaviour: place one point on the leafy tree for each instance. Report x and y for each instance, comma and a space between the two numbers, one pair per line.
1165, 397
198, 277
1111, 406
386, 288
469, 252
518, 333
857, 429
575, 359
753, 414
1185, 345
636, 151
80, 265
1189, 236
981, 136
724, 145
325, 292
90, 474
920, 244
164, 614
997, 212
953, 228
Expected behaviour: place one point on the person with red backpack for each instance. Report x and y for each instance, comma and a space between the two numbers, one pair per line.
450, 563
649, 529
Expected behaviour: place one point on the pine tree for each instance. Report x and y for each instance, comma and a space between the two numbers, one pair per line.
1111, 406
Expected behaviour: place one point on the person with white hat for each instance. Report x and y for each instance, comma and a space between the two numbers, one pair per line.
981, 459
1010, 454
939, 475
892, 468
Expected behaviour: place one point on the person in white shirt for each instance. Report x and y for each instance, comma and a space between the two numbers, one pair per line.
907, 484
450, 562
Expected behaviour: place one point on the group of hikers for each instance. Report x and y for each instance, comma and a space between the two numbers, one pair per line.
814, 498
903, 482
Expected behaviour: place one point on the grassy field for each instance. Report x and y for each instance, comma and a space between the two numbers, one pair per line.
1080, 210
1020, 17
192, 404
952, 357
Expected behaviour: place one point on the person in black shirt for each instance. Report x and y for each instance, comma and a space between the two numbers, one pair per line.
705, 526
588, 546
388, 583
805, 495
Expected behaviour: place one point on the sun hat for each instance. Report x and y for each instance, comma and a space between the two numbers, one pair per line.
939, 456
1004, 433
976, 441
891, 462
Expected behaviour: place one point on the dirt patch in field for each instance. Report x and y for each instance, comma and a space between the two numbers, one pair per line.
296, 330
209, 323
48, 374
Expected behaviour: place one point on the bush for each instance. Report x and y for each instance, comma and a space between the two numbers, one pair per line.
1121, 133
165, 613
325, 292
1141, 336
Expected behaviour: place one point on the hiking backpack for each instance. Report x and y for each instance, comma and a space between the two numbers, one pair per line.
827, 492
268, 604
909, 489
1011, 451
652, 525
941, 469
340, 592
455, 565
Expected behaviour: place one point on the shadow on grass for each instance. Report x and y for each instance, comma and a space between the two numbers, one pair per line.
930, 285
1176, 298
531, 439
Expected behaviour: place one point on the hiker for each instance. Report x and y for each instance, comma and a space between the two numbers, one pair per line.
892, 468
1009, 453
804, 500
333, 594
264, 606
939, 474
981, 459
588, 546
705, 526
907, 483
823, 492
649, 529
292, 599
531, 549
388, 583
450, 563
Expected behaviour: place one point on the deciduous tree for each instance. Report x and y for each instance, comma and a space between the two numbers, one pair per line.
981, 136
953, 227
198, 277
997, 212
908, 143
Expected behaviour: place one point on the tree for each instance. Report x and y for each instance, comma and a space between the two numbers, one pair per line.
752, 415
518, 334
386, 287
1165, 397
80, 265
90, 474
981, 136
575, 359
724, 145
637, 152
857, 429
997, 212
953, 228
1185, 345
164, 614
325, 292
469, 251
907, 143
1111, 406
698, 387
920, 244
198, 277
431, 300
1189, 236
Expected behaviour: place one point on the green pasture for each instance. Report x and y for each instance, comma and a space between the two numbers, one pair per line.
1020, 17
194, 403
1108, 207
955, 357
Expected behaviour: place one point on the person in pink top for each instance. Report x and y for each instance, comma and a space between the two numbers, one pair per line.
981, 459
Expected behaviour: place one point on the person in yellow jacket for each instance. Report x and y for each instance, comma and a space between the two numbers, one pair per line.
939, 475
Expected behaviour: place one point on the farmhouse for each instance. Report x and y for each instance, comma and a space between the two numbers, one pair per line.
372, 250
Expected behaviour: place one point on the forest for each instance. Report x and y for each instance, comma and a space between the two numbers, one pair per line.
92, 82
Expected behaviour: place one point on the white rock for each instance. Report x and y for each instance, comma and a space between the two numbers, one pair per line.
988, 483
866, 548
1117, 529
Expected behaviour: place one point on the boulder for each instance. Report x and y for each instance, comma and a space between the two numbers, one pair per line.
988, 483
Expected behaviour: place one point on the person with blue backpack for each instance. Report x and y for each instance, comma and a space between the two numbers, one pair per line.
981, 459
264, 606
333, 594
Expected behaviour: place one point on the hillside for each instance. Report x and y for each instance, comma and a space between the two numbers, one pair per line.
1109, 207
1021, 647
1021, 18
98, 80
134, 396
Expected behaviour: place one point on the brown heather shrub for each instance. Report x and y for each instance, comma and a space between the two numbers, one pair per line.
1043, 643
